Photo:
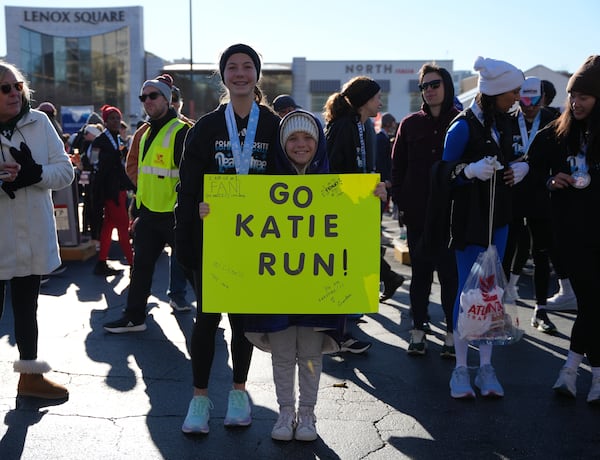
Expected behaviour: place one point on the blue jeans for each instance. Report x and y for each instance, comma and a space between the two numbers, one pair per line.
177, 281
466, 258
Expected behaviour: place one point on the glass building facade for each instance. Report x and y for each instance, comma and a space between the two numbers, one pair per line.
80, 57
75, 69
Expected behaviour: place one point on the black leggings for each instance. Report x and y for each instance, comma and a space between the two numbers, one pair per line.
203, 343
541, 244
583, 266
203, 347
422, 266
544, 249
517, 248
24, 298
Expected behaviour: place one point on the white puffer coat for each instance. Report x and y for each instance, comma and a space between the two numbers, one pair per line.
28, 239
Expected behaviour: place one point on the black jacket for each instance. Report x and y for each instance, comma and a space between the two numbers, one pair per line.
208, 151
471, 198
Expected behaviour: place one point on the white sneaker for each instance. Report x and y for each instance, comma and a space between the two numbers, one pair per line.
306, 429
285, 425
460, 384
487, 382
566, 382
562, 302
594, 394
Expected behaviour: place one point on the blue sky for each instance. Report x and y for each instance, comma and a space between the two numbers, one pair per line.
559, 35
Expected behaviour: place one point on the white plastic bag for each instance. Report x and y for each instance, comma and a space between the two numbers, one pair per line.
484, 315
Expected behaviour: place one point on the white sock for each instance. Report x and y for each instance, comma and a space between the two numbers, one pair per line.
595, 372
485, 354
538, 307
514, 279
573, 360
461, 348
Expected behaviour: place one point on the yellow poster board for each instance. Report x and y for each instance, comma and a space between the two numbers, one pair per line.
291, 244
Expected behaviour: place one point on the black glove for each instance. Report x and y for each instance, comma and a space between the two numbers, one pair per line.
31, 172
9, 189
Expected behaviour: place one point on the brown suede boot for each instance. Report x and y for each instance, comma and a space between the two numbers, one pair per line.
33, 383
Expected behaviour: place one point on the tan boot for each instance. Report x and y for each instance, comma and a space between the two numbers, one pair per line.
33, 383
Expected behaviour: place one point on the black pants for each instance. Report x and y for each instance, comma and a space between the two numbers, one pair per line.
423, 265
152, 232
541, 250
583, 266
385, 271
203, 343
518, 245
24, 296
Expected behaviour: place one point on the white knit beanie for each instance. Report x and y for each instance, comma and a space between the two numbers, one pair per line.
497, 77
295, 122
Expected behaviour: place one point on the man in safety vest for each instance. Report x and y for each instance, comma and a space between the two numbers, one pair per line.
159, 151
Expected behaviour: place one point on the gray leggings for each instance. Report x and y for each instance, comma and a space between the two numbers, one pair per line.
293, 346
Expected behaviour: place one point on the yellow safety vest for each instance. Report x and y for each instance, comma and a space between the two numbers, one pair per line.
158, 174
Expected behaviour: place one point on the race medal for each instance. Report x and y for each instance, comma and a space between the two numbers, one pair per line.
579, 171
582, 179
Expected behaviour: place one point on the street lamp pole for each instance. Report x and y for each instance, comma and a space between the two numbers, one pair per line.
193, 102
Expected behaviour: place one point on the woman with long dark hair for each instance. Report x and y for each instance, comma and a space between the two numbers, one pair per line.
565, 157
347, 116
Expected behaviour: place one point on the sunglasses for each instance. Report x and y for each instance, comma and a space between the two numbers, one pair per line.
7, 87
530, 101
152, 96
433, 84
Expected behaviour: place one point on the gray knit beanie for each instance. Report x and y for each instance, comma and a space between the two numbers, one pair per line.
297, 121
163, 83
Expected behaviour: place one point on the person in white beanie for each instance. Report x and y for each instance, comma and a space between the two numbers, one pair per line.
478, 147
531, 209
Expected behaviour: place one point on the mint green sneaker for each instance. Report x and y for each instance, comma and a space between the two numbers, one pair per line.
196, 420
238, 409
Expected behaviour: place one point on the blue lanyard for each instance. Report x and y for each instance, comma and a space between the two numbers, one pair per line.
363, 149
242, 156
527, 139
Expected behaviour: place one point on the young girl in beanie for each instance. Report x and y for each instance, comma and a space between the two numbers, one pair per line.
565, 158
296, 341
478, 147
239, 137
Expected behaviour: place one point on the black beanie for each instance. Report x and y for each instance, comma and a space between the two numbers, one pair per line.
359, 90
239, 48
587, 78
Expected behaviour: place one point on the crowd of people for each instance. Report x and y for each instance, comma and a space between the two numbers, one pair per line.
506, 171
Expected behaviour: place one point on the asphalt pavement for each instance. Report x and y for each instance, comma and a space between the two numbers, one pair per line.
129, 393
